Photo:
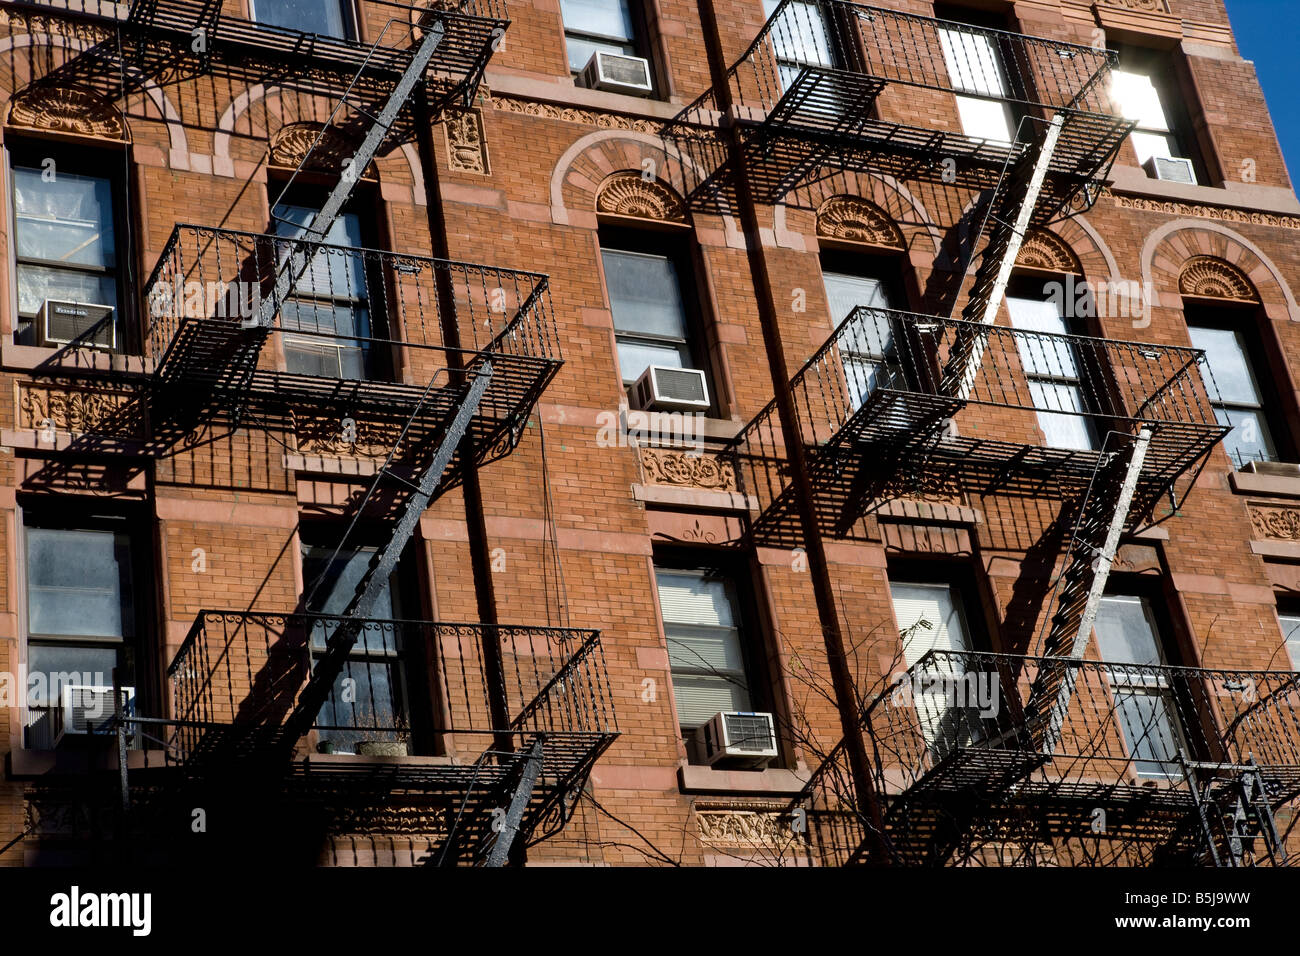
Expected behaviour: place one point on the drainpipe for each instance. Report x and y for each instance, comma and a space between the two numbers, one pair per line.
841, 678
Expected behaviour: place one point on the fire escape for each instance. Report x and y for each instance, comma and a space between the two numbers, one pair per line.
1096, 762
445, 378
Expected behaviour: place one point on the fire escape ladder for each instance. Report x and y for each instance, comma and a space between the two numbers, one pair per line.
511, 825
372, 584
1249, 814
1102, 516
1011, 211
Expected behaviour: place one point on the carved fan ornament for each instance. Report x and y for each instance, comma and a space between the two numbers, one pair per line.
630, 195
67, 109
1215, 279
1048, 251
857, 220
291, 144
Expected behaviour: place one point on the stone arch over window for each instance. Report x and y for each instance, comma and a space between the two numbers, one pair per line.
1213, 278
631, 195
854, 219
1189, 253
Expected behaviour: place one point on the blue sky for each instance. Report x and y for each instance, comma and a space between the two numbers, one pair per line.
1268, 32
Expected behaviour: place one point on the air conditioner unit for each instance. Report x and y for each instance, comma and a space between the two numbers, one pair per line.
59, 322
88, 711
617, 73
1175, 169
740, 738
664, 388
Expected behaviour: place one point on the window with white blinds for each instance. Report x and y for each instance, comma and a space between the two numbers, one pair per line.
1051, 368
929, 618
867, 351
975, 66
705, 652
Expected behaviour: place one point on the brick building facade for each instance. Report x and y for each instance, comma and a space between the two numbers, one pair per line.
133, 505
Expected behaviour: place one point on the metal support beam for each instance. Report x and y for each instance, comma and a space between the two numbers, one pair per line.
532, 769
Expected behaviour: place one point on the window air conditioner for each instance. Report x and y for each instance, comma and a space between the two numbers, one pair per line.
663, 388
88, 711
1173, 168
617, 73
59, 323
740, 738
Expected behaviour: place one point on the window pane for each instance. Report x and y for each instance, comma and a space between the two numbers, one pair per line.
1062, 430
645, 294
1249, 439
1040, 355
973, 62
1147, 145
1126, 631
635, 356
799, 37
79, 583
694, 597
372, 707
310, 16
700, 697
986, 119
1136, 98
1225, 351
1150, 731
334, 583
581, 48
934, 618
606, 18
845, 293
52, 666
331, 273
710, 649
325, 359
38, 283
1291, 634
68, 219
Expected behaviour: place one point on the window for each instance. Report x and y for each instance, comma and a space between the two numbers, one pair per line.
606, 25
867, 351
1240, 404
81, 621
327, 320
975, 66
65, 231
1142, 90
1128, 638
931, 617
374, 707
706, 644
1290, 621
1053, 372
331, 18
800, 38
652, 321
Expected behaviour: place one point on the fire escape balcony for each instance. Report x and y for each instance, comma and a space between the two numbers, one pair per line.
897, 404
979, 754
436, 717
805, 97
362, 344
175, 38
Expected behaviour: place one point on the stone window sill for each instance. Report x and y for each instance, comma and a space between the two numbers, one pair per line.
695, 778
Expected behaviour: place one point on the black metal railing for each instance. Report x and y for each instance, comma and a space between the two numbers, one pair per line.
244, 670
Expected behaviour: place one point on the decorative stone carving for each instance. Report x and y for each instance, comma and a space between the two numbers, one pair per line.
67, 109
466, 142
1046, 250
1278, 523
71, 410
857, 220
333, 438
1221, 213
1208, 276
627, 194
671, 467
570, 114
291, 145
744, 827
1146, 6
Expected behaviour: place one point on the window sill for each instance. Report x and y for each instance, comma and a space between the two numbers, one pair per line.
675, 496
1252, 196
695, 778
1277, 479
35, 763
563, 92
337, 761
40, 359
